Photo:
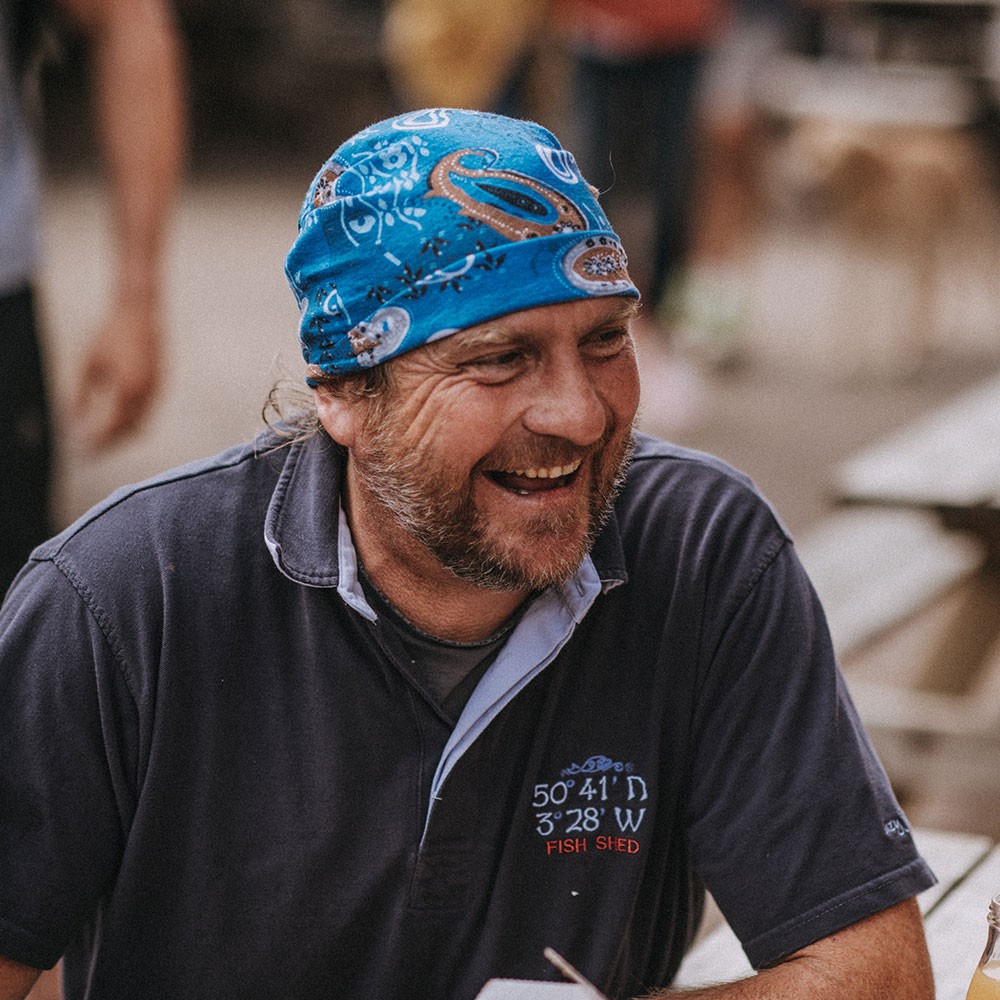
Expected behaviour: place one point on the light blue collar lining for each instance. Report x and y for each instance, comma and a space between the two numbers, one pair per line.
535, 642
348, 584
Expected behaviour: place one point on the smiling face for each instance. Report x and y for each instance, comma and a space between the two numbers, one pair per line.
496, 452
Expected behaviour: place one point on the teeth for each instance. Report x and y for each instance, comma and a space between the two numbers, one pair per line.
553, 473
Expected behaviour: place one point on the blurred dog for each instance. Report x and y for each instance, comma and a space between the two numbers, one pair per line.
878, 181
889, 200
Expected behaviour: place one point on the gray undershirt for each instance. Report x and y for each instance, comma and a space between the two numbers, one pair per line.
448, 671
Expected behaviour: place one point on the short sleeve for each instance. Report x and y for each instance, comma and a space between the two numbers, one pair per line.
793, 823
66, 770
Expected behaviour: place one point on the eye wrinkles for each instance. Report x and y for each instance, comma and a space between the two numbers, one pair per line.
509, 361
505, 336
604, 342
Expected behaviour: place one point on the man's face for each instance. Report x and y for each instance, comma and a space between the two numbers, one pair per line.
499, 448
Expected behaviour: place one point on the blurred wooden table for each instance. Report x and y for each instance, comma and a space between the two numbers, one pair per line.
968, 871
945, 466
947, 463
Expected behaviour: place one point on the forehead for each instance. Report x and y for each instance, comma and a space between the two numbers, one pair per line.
576, 317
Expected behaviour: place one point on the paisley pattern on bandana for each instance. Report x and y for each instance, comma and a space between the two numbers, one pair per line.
598, 263
436, 221
516, 206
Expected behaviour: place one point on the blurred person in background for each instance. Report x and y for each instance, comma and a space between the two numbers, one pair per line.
134, 54
638, 68
705, 305
463, 53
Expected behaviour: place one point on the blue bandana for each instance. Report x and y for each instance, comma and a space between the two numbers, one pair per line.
432, 222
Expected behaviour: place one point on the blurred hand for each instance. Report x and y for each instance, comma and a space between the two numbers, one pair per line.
119, 376
134, 55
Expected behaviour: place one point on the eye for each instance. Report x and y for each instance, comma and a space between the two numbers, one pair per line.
606, 343
500, 360
498, 367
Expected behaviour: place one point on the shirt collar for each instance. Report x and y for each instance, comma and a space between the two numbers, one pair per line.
301, 526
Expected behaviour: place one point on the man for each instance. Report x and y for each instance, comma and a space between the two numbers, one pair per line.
452, 670
133, 52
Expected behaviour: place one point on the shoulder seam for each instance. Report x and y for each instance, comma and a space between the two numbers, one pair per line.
66, 567
124, 493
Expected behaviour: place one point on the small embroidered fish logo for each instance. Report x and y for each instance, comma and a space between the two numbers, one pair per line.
596, 764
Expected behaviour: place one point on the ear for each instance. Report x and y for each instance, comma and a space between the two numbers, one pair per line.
341, 416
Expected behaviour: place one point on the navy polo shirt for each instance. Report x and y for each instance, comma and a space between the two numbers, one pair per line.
219, 779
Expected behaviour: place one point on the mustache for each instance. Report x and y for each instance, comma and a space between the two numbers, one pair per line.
543, 452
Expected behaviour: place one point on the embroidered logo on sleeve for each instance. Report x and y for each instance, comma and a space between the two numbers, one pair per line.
597, 805
897, 828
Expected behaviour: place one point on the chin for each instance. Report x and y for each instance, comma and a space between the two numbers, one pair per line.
536, 564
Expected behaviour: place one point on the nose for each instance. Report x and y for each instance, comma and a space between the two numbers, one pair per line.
566, 403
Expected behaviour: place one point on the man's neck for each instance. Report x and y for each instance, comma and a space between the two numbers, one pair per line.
454, 609
426, 592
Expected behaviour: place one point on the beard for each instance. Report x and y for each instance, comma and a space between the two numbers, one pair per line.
437, 508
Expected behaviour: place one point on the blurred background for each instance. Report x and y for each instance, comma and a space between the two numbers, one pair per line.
829, 274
